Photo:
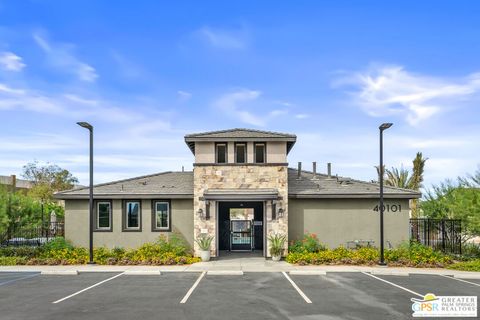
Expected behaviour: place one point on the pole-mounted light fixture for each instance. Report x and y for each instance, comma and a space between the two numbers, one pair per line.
383, 127
88, 126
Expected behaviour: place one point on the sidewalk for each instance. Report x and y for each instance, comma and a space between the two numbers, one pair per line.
243, 265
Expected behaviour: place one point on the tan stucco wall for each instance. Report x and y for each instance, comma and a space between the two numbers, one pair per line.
204, 152
76, 224
336, 221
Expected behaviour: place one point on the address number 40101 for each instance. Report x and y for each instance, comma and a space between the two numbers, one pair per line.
389, 208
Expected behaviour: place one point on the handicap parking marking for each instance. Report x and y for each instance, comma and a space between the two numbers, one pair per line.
461, 280
394, 284
300, 292
15, 279
88, 288
192, 288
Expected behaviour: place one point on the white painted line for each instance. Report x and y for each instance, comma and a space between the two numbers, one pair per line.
17, 279
393, 284
300, 292
193, 287
461, 280
308, 273
60, 272
390, 273
225, 273
142, 273
83, 290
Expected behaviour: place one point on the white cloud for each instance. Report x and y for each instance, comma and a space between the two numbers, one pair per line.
183, 96
223, 38
11, 62
230, 104
277, 113
301, 116
391, 90
61, 57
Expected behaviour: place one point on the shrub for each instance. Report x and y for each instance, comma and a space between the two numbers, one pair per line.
309, 243
471, 251
12, 260
57, 243
473, 265
23, 251
413, 255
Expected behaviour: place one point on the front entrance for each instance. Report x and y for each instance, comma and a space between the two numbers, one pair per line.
240, 226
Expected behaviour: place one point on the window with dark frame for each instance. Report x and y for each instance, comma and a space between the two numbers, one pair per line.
221, 153
132, 215
259, 152
161, 215
240, 153
103, 215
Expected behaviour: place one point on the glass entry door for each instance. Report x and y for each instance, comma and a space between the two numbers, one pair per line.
241, 235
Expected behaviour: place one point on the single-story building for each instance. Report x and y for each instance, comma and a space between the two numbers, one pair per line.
240, 191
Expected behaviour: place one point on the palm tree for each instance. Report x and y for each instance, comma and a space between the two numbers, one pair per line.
402, 178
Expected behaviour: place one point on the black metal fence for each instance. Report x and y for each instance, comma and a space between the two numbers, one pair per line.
440, 234
32, 235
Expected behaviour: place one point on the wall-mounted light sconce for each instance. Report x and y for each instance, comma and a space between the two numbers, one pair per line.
280, 213
201, 214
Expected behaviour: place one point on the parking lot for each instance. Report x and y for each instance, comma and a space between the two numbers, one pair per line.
273, 295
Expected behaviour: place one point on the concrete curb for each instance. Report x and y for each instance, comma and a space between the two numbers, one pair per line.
467, 276
60, 272
142, 273
225, 273
308, 273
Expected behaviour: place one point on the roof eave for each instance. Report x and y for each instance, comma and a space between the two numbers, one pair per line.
125, 196
354, 196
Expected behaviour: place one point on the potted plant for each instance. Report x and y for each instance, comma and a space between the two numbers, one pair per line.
277, 243
204, 241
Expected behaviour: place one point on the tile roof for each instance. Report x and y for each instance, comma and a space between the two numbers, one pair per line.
163, 185
180, 185
339, 187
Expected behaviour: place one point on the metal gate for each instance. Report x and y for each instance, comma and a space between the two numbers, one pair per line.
241, 235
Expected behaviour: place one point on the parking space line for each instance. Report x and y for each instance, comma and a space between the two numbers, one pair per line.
88, 288
393, 284
17, 279
189, 292
300, 292
461, 280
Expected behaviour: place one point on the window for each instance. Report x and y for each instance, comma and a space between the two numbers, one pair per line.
240, 153
104, 216
132, 215
161, 216
221, 153
259, 152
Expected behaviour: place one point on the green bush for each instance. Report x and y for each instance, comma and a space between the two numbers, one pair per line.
473, 265
23, 251
471, 251
413, 255
12, 261
309, 243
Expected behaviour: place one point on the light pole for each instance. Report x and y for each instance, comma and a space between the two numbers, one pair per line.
88, 126
383, 127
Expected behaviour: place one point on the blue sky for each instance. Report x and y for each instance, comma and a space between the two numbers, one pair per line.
147, 73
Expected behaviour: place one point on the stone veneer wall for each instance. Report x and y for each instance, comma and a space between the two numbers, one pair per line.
239, 177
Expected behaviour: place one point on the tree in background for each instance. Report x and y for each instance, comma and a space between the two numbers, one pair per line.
402, 178
456, 200
47, 180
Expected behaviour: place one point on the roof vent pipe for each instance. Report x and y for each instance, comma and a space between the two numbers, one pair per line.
314, 164
299, 171
329, 170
